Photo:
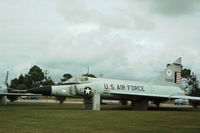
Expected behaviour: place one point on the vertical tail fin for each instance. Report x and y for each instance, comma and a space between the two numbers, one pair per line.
6, 79
171, 75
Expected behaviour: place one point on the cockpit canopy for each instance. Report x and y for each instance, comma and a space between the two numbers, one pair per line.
76, 80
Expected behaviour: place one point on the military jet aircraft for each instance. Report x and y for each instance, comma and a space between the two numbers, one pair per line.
167, 85
5, 91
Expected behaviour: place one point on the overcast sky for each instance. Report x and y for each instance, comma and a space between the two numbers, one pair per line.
122, 39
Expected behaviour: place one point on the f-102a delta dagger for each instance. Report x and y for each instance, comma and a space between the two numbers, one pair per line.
165, 86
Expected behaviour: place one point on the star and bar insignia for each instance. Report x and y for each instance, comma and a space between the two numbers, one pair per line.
87, 91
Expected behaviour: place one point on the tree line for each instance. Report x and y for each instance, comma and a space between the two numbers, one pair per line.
36, 78
193, 83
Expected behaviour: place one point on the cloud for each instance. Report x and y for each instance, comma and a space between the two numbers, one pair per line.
174, 7
95, 49
120, 39
120, 15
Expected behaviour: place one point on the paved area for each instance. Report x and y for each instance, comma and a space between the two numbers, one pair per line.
114, 102
48, 101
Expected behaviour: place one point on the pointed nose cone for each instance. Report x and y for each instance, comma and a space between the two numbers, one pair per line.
46, 90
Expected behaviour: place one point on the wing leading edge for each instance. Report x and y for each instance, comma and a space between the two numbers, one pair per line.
156, 96
18, 94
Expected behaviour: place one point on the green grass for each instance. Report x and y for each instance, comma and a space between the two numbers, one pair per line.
71, 118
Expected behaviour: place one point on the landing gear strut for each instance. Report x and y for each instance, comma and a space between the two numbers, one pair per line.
61, 99
3, 100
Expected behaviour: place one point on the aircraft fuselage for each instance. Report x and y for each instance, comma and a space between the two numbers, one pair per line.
106, 88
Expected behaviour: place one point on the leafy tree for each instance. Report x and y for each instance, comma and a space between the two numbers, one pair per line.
48, 81
22, 87
34, 78
89, 75
14, 83
66, 77
186, 73
28, 81
194, 85
18, 83
20, 79
195, 90
36, 74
